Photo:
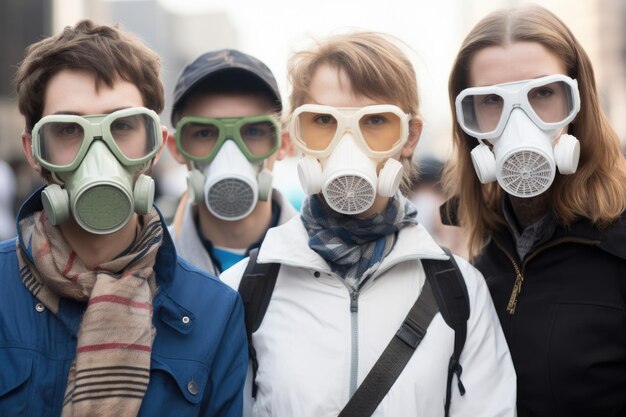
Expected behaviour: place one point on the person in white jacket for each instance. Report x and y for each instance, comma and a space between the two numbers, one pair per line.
226, 112
351, 263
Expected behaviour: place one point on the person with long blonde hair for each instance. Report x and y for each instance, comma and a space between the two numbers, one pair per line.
538, 181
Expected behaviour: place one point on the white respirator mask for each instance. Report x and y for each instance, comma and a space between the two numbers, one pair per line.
343, 148
524, 122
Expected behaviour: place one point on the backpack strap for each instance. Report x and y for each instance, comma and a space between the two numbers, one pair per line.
444, 287
255, 288
453, 300
394, 358
444, 290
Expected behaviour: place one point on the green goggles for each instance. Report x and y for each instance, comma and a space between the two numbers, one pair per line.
200, 139
133, 135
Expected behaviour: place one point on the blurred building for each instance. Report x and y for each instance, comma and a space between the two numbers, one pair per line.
22, 22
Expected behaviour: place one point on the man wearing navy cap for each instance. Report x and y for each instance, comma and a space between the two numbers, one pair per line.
226, 115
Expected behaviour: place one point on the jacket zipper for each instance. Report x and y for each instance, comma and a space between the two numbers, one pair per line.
354, 335
354, 323
519, 272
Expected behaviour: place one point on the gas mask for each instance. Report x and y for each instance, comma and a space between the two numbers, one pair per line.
343, 148
524, 121
229, 157
98, 162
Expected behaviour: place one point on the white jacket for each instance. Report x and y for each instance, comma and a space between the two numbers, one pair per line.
313, 351
185, 234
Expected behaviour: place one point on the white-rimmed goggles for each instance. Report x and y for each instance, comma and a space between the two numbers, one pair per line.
380, 130
550, 102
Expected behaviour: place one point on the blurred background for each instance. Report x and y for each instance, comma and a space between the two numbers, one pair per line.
179, 30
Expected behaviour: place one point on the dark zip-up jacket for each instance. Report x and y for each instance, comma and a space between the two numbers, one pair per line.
563, 314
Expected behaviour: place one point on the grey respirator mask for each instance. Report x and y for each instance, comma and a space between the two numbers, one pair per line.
98, 163
229, 156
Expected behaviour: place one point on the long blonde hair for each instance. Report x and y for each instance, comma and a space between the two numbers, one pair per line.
375, 65
596, 191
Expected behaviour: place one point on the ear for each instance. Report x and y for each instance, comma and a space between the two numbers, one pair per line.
415, 131
171, 145
165, 135
286, 147
27, 144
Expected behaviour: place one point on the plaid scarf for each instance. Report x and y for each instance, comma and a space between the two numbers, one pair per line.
354, 248
111, 370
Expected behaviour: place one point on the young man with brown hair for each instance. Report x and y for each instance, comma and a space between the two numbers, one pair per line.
98, 315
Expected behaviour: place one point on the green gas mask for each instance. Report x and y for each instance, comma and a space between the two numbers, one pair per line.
229, 156
99, 160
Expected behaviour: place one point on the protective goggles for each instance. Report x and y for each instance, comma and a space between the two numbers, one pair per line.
60, 141
550, 102
380, 130
200, 139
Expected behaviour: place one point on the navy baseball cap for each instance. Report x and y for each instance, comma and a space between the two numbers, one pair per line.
224, 62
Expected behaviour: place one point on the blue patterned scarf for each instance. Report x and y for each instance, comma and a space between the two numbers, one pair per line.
354, 248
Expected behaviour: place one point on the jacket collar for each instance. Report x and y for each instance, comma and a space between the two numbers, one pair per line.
611, 239
29, 207
186, 235
288, 244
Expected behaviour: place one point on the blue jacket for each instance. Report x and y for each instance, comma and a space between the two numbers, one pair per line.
198, 366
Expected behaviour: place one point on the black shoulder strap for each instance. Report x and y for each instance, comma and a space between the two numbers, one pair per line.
394, 358
453, 301
255, 288
444, 290
443, 280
